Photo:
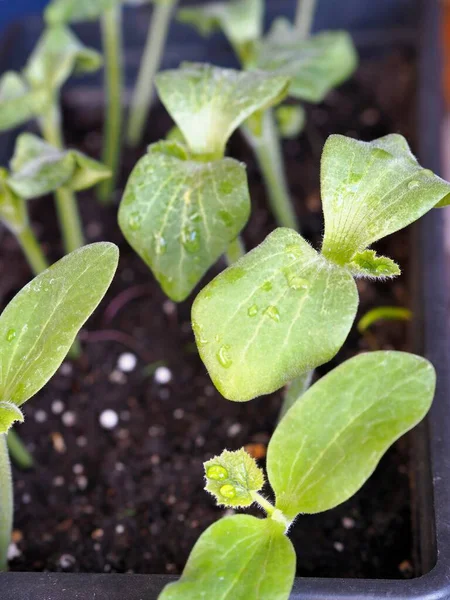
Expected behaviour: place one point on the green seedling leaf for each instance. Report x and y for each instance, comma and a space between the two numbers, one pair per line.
330, 442
232, 477
9, 414
39, 325
71, 11
13, 212
284, 310
291, 120
383, 313
371, 189
180, 215
238, 558
39, 168
208, 103
58, 55
369, 264
316, 65
18, 104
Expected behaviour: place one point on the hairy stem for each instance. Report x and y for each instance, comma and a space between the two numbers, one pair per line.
6, 503
66, 204
267, 148
272, 512
295, 391
32, 250
150, 63
18, 452
236, 250
112, 43
304, 16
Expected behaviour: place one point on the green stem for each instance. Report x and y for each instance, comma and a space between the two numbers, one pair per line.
272, 512
6, 503
112, 43
236, 250
150, 63
295, 391
267, 147
304, 16
18, 452
32, 250
66, 203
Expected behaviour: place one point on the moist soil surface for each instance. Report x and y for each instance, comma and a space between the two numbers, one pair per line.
131, 499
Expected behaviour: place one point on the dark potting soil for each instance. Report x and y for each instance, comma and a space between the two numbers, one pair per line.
131, 499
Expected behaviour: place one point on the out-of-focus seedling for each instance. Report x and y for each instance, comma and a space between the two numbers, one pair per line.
37, 329
322, 452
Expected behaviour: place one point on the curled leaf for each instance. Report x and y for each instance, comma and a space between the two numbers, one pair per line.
369, 264
9, 414
13, 212
18, 103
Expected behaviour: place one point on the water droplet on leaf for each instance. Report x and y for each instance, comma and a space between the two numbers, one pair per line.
228, 491
135, 221
295, 282
412, 185
253, 310
223, 356
11, 335
226, 218
225, 188
273, 313
190, 239
217, 472
160, 244
267, 286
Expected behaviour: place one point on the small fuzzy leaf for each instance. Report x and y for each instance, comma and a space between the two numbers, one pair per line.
13, 213
237, 558
180, 215
208, 103
371, 189
369, 264
58, 55
291, 120
328, 444
39, 325
71, 11
9, 414
18, 104
284, 310
316, 64
232, 476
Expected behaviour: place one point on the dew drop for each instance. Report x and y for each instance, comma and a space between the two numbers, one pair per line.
273, 313
412, 185
11, 335
217, 472
160, 244
199, 337
293, 250
223, 356
228, 491
226, 218
190, 238
253, 310
267, 286
135, 221
226, 187
295, 282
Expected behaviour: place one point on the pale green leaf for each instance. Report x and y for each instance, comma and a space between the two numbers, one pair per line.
72, 11
208, 103
39, 325
368, 264
180, 215
232, 477
58, 55
330, 442
9, 414
13, 213
279, 311
18, 104
237, 558
88, 172
290, 120
316, 64
371, 189
383, 313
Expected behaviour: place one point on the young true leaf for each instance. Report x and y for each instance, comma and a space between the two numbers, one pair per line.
18, 103
291, 120
238, 558
284, 310
39, 325
12, 209
330, 442
232, 477
38, 168
371, 189
369, 264
209, 103
179, 215
9, 414
316, 64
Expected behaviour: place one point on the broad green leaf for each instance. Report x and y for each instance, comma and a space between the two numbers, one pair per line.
371, 189
39, 168
284, 310
232, 477
13, 213
180, 215
18, 104
237, 558
208, 103
383, 313
58, 55
330, 442
369, 264
71, 11
39, 325
316, 64
9, 414
290, 120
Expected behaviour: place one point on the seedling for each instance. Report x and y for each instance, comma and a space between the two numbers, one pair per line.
185, 204
37, 329
315, 66
34, 93
37, 168
286, 308
322, 452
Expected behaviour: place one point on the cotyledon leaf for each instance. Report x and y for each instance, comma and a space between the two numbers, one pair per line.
180, 215
13, 212
237, 558
39, 325
316, 64
328, 444
284, 309
208, 103
371, 189
18, 103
